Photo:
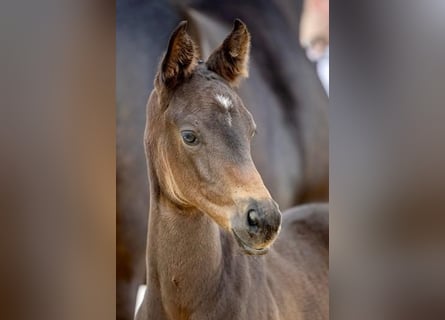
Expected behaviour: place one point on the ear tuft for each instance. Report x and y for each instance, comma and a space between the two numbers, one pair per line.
230, 60
180, 59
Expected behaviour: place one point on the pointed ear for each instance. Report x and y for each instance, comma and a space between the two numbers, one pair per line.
180, 59
230, 60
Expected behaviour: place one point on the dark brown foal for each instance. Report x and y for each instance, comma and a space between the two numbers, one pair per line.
212, 221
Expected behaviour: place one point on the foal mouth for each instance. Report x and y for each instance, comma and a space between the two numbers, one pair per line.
248, 249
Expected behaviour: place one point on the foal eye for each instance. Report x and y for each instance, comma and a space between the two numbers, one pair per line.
189, 137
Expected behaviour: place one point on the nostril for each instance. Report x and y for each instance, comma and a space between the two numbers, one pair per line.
253, 218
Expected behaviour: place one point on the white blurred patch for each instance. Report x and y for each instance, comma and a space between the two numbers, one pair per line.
140, 297
323, 70
321, 60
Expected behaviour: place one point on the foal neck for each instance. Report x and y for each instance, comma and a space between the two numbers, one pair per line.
184, 256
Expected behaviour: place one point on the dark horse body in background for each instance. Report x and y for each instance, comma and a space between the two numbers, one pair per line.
283, 93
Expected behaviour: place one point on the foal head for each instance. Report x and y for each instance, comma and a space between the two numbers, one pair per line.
198, 139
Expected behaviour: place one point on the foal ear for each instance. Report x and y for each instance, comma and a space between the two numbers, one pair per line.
180, 59
230, 60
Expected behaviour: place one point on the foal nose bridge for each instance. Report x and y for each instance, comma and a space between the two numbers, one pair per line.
247, 183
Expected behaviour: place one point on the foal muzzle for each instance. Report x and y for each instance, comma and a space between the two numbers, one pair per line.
257, 226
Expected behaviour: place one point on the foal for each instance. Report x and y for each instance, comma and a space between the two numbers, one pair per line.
212, 220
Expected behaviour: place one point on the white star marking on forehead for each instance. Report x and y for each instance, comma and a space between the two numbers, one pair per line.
224, 101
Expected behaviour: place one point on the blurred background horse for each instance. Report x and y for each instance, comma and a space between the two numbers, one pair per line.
283, 92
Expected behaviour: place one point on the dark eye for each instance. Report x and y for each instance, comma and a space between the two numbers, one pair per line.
189, 137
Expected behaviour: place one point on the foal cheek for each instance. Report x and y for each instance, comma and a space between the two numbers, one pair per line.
217, 205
